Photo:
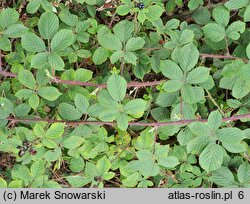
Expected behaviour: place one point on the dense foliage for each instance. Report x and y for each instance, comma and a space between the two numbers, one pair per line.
130, 93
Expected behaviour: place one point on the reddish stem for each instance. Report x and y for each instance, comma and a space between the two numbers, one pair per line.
153, 124
79, 83
222, 57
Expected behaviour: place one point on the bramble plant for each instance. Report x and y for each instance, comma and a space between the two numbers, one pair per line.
130, 93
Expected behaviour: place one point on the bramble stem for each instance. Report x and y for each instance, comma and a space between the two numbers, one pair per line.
79, 83
153, 124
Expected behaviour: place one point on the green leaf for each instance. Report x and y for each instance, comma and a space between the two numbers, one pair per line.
235, 29
191, 94
145, 165
187, 36
166, 99
48, 25
222, 176
122, 121
240, 89
135, 108
130, 57
69, 112
49, 93
15, 31
26, 78
33, 6
8, 17
32, 43
214, 32
105, 100
132, 180
236, 4
108, 115
81, 103
22, 110
55, 61
243, 173
56, 130
103, 165
199, 129
124, 30
15, 184
62, 39
247, 14
134, 44
202, 15
142, 16
6, 105
188, 57
73, 142
21, 172
40, 60
110, 41
145, 140
83, 75
91, 170
172, 86
230, 135
77, 181
37, 168
154, 12
194, 4
211, 157
5, 43
117, 87
53, 155
33, 101
68, 18
3, 183
214, 120
123, 10
248, 51
163, 158
117, 55
171, 70
221, 15
49, 143
184, 137
100, 55
198, 75
169, 162
76, 164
